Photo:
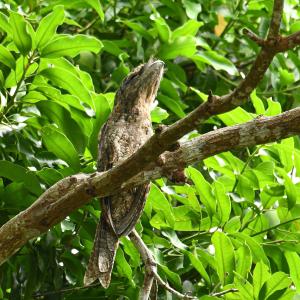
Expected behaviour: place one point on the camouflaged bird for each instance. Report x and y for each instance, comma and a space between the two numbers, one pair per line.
127, 128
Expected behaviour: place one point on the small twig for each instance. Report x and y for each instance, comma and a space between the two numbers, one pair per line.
151, 270
274, 227
219, 294
49, 293
251, 35
88, 26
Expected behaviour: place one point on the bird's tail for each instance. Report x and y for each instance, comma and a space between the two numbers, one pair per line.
103, 255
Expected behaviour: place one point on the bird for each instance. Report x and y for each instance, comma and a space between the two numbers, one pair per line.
128, 128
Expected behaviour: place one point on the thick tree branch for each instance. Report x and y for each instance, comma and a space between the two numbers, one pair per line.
73, 192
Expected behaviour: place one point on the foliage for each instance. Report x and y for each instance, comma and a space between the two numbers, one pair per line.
234, 225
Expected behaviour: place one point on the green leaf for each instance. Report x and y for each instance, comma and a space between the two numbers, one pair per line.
66, 80
192, 8
21, 37
260, 276
163, 29
18, 173
215, 60
48, 26
243, 261
286, 77
235, 116
172, 276
103, 110
7, 58
96, 5
57, 143
223, 202
68, 45
257, 251
160, 204
4, 24
62, 118
290, 188
181, 46
224, 257
276, 282
257, 103
191, 27
293, 261
204, 190
113, 48
197, 264
140, 29
274, 108
130, 250
50, 176
158, 114
123, 266
171, 104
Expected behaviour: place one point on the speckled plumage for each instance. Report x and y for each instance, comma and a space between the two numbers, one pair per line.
127, 128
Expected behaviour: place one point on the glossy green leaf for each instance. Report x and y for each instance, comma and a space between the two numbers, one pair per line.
4, 24
293, 261
160, 204
68, 45
48, 26
204, 190
103, 109
189, 28
172, 105
276, 282
17, 173
57, 143
163, 29
243, 261
6, 57
62, 118
192, 8
260, 276
257, 103
257, 251
235, 116
21, 37
223, 202
158, 114
123, 266
113, 48
66, 80
196, 262
172, 276
96, 5
181, 46
224, 256
216, 60
274, 108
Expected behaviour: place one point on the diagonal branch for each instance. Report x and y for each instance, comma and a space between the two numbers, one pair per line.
72, 192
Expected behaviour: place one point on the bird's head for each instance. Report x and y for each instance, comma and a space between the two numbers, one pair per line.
141, 85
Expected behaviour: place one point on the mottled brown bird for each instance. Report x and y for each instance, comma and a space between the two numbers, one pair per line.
127, 128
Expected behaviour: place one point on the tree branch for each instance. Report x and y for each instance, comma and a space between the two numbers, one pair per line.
72, 192
151, 270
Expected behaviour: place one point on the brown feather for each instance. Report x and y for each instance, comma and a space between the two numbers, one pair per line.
128, 127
